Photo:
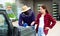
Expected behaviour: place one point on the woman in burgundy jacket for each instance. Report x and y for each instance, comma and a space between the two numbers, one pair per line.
45, 20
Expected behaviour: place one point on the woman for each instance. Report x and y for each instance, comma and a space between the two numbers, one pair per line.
43, 21
27, 16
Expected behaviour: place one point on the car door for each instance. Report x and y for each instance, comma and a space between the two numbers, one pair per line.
3, 26
6, 28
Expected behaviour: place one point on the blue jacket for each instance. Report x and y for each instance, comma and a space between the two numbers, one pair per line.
27, 18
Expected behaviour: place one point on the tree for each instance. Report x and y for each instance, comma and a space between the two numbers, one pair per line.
14, 8
1, 5
7, 4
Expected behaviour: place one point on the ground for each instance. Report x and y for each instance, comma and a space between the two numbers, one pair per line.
55, 31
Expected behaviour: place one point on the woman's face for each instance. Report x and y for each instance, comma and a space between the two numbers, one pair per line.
42, 10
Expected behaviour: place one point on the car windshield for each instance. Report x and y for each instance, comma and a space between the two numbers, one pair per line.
3, 26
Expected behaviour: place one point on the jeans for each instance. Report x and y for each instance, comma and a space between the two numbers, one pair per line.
41, 32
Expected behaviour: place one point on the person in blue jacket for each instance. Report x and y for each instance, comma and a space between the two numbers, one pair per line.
27, 16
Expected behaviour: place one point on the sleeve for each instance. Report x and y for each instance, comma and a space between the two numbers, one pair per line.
53, 21
20, 20
37, 19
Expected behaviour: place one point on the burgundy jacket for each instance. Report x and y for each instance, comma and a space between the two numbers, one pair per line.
47, 22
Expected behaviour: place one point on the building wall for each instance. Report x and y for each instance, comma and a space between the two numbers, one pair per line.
47, 3
59, 8
33, 4
25, 2
58, 3
28, 3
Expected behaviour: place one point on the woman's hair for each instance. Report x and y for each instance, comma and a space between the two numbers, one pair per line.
44, 7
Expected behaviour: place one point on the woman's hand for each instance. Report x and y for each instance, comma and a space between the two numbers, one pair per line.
35, 26
47, 28
32, 23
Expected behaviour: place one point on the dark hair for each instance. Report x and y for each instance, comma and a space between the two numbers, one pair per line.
44, 7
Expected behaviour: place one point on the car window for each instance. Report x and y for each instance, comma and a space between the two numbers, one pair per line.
3, 26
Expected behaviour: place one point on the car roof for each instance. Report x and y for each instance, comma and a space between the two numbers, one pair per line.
1, 9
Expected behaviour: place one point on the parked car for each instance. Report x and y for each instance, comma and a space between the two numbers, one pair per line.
6, 27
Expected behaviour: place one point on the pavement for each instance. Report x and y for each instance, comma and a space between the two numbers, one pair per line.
55, 31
